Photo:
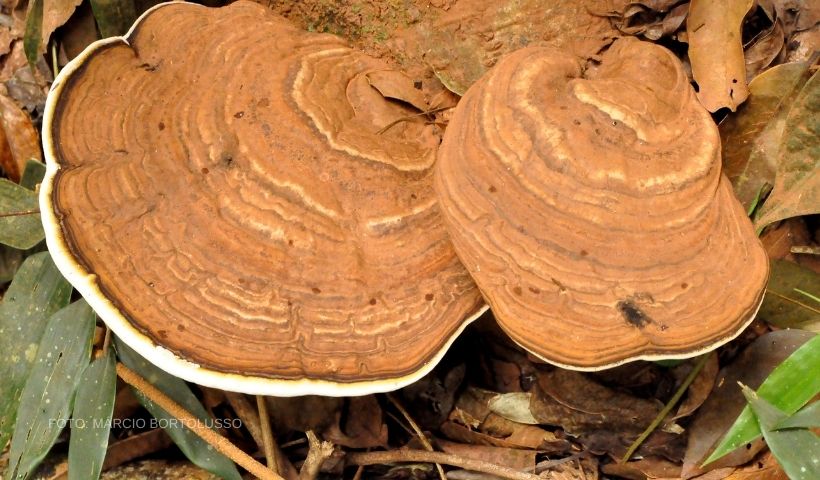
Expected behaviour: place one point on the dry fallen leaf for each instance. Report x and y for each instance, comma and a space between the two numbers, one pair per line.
797, 185
465, 42
716, 51
750, 138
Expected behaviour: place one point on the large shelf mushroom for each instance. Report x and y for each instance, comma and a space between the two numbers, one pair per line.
218, 192
589, 206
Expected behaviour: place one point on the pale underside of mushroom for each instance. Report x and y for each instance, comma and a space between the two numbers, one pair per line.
589, 206
218, 192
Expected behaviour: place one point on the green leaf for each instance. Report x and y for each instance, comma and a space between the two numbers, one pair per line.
45, 403
114, 17
808, 417
37, 291
196, 449
797, 185
784, 305
33, 174
790, 386
796, 450
32, 38
20, 225
750, 137
91, 422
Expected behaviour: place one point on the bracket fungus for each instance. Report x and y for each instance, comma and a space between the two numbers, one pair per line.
218, 192
589, 206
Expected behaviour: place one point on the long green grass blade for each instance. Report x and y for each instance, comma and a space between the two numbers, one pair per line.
91, 420
45, 403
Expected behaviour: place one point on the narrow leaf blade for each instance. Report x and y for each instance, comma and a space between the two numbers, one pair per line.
196, 449
797, 450
37, 292
91, 422
790, 386
45, 403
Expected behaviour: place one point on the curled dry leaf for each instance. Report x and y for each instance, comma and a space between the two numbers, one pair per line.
55, 14
699, 389
764, 51
716, 51
19, 141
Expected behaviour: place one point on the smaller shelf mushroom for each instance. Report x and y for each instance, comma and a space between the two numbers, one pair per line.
218, 192
589, 206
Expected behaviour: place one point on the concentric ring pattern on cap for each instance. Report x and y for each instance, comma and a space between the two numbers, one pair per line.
218, 192
589, 206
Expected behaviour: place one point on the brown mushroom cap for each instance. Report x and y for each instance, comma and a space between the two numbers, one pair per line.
217, 191
590, 209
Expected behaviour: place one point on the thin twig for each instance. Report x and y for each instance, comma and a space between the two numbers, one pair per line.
667, 408
318, 452
394, 456
421, 436
409, 117
20, 214
218, 442
267, 434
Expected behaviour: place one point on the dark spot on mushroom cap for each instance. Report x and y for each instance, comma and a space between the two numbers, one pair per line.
584, 253
290, 242
492, 189
372, 301
290, 304
517, 290
163, 333
181, 328
238, 114
632, 314
684, 285
161, 126
429, 297
205, 170
535, 290
315, 290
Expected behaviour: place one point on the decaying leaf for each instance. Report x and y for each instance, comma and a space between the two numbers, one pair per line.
791, 297
726, 402
465, 42
716, 51
508, 457
45, 16
19, 141
797, 184
764, 51
751, 137
699, 389
578, 404
394, 84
